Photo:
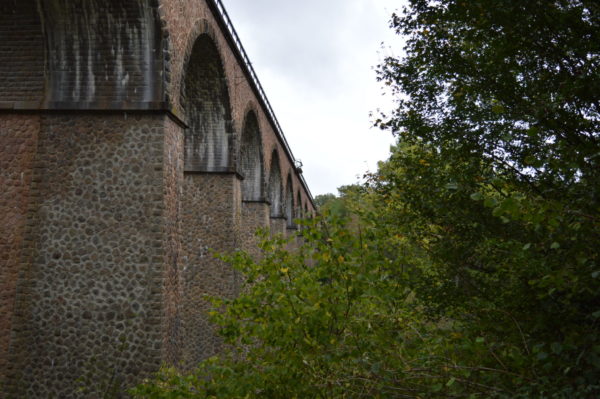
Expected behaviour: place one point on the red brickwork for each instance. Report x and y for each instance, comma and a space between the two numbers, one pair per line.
186, 20
251, 160
18, 135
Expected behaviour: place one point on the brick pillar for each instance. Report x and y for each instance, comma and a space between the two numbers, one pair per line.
211, 209
278, 225
292, 232
255, 215
18, 144
89, 308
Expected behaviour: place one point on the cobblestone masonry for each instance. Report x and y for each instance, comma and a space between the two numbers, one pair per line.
278, 225
255, 215
90, 293
173, 254
211, 207
105, 240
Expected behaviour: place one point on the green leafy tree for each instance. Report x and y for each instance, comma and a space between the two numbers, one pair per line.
496, 170
322, 200
331, 320
342, 206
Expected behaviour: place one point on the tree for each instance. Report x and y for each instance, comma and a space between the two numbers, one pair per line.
514, 83
467, 266
333, 319
323, 199
497, 172
340, 206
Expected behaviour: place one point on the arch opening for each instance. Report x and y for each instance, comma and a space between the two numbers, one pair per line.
251, 160
93, 54
289, 202
205, 99
275, 187
298, 207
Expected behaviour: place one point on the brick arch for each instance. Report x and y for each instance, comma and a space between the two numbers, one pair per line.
251, 160
200, 27
275, 186
93, 54
289, 201
210, 139
298, 207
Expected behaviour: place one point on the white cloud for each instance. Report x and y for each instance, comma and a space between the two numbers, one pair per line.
315, 60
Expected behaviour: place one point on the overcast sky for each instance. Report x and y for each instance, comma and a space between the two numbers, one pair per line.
315, 60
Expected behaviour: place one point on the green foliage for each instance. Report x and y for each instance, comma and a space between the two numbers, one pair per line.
322, 199
342, 206
346, 316
334, 319
467, 266
496, 170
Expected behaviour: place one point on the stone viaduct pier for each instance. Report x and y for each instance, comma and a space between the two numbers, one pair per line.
135, 138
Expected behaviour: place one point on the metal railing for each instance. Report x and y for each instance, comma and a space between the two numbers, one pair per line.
256, 82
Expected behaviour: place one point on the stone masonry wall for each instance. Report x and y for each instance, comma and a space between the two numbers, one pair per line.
278, 226
18, 135
255, 215
90, 301
173, 259
211, 214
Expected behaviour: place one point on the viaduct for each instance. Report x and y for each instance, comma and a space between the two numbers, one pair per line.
135, 138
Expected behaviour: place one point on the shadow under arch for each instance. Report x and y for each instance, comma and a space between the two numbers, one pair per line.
289, 202
275, 187
298, 207
251, 160
209, 141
